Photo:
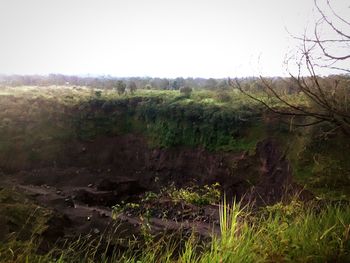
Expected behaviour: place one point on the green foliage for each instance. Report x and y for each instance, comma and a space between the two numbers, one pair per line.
195, 195
21, 223
305, 235
281, 233
186, 91
166, 118
149, 196
169, 121
120, 208
223, 96
323, 164
190, 195
132, 87
120, 86
195, 124
34, 127
98, 93
236, 242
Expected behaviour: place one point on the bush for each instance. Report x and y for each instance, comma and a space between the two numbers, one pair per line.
223, 96
209, 194
186, 91
98, 93
121, 86
132, 87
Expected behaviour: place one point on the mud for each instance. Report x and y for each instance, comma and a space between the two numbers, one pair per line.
83, 184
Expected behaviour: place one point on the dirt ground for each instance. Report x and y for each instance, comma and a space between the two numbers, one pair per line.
91, 177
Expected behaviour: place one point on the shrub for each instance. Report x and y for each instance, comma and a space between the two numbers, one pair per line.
132, 87
196, 195
98, 93
186, 91
223, 96
121, 86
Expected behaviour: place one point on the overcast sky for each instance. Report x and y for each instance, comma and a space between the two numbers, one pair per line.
164, 38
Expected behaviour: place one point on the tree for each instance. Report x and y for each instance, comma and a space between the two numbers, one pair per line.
148, 86
211, 83
132, 87
328, 97
121, 86
162, 84
222, 85
186, 91
175, 85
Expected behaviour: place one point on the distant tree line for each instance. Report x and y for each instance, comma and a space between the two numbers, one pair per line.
285, 85
108, 82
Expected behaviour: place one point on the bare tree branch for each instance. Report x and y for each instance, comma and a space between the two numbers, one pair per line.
338, 31
336, 15
328, 97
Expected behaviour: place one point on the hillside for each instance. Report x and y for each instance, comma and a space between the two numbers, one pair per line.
78, 161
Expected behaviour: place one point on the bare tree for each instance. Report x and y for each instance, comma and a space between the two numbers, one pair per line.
328, 96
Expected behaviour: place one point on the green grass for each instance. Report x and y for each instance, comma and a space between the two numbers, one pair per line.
322, 164
22, 224
195, 195
292, 232
166, 118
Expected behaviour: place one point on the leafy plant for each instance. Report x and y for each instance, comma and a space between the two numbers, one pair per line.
195, 195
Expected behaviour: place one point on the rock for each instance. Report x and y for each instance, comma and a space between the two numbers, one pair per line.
128, 187
102, 214
69, 202
92, 197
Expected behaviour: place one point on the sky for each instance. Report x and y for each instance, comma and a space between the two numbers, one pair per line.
156, 38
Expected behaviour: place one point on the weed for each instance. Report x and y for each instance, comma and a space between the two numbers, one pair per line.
195, 195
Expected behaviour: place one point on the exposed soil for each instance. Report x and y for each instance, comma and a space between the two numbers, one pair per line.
90, 177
